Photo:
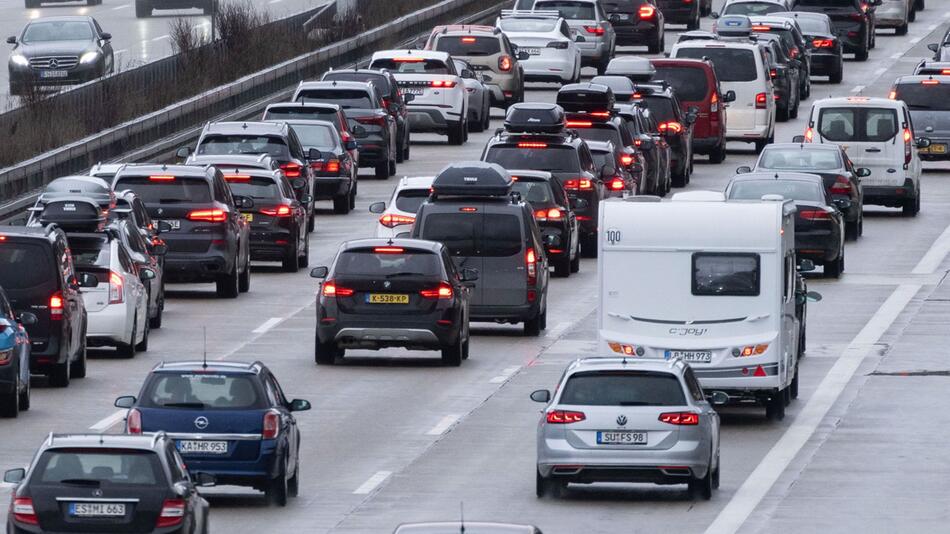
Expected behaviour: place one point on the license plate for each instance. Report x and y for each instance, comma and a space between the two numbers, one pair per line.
622, 437
387, 298
532, 51
418, 91
96, 509
249, 217
620, 16
203, 447
175, 224
53, 74
934, 149
701, 356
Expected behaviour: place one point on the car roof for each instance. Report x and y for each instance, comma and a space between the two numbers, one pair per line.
256, 160
336, 84
601, 146
778, 175
544, 175
41, 232
415, 182
423, 244
196, 171
917, 78
246, 127
144, 442
372, 72
804, 146
858, 101
764, 20
466, 29
468, 527
618, 363
64, 18
304, 104
78, 184
424, 54
215, 366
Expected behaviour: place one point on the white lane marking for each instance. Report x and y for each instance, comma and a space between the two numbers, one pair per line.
915, 40
255, 336
108, 422
857, 89
880, 71
372, 483
275, 1
123, 6
505, 375
444, 424
267, 325
897, 55
558, 329
757, 485
162, 37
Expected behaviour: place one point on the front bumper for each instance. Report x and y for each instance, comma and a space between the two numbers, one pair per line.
81, 73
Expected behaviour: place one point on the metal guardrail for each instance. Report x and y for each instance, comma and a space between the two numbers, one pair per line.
159, 133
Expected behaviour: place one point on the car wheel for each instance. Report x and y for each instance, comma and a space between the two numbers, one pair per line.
775, 406
311, 222
562, 267
291, 260
467, 344
326, 353
78, 367
142, 346
861, 225
303, 261
400, 154
244, 279
715, 480
452, 356
277, 490
156, 322
851, 230
862, 55
10, 402
405, 155
654, 48
532, 327
912, 16
477, 125
589, 246
838, 75
793, 388
576, 262
227, 285
718, 154
352, 195
793, 113
760, 145
833, 269
341, 204
24, 397
703, 487
382, 170
911, 206
693, 24
293, 485
456, 133
782, 114
678, 179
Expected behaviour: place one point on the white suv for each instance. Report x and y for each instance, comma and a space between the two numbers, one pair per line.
440, 103
878, 134
398, 216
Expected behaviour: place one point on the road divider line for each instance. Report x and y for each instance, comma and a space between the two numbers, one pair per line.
267, 325
108, 422
880, 71
931, 261
897, 55
123, 6
857, 89
444, 425
372, 483
257, 335
505, 375
161, 38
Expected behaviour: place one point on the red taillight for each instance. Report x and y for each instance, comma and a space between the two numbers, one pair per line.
823, 43
329, 166
161, 178
564, 417
809, 135
392, 220
504, 63
794, 52
331, 290
930, 82
23, 512
841, 186
908, 145
773, 73
761, 28
531, 266
617, 184
133, 422
761, 100
271, 425
386, 103
443, 84
627, 160
237, 178
279, 211
212, 215
647, 12
173, 513
116, 288
379, 121
442, 291
814, 215
291, 169
671, 127
579, 184
468, 39
468, 209
532, 145
408, 59
56, 306
714, 103
594, 30
892, 95
389, 250
680, 418
553, 214
579, 124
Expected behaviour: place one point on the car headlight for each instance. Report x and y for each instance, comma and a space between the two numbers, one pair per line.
19, 59
89, 57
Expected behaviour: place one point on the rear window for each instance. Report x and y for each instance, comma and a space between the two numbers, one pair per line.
661, 107
468, 45
689, 82
556, 158
254, 187
316, 136
621, 6
372, 264
176, 190
472, 234
99, 467
203, 391
799, 159
753, 8
789, 189
568, 9
825, 3
811, 25
924, 96
623, 388
411, 65
725, 274
730, 64
601, 134
381, 82
409, 200
300, 113
90, 252
603, 158
345, 98
528, 25
216, 145
857, 124
24, 265
534, 192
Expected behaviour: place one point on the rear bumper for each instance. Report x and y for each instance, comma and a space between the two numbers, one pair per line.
271, 245
593, 52
198, 268
548, 69
252, 473
415, 332
680, 14
891, 196
642, 33
432, 119
108, 326
891, 14
559, 460
506, 314
825, 64
326, 187
373, 149
818, 245
703, 145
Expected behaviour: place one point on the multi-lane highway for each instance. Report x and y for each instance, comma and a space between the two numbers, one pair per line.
394, 436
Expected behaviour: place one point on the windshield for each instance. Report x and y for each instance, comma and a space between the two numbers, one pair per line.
124, 467
858, 124
317, 114
205, 391
409, 200
379, 265
254, 186
689, 82
799, 159
244, 144
926, 95
472, 234
41, 32
725, 274
468, 45
528, 25
534, 192
319, 136
752, 8
789, 189
552, 158
730, 64
623, 388
568, 9
411, 65
345, 98
175, 190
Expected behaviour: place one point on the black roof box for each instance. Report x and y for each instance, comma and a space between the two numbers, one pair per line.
535, 118
73, 214
472, 179
586, 98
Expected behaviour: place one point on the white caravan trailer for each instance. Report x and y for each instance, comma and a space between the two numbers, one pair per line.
708, 281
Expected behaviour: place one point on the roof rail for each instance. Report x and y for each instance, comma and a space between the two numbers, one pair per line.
534, 14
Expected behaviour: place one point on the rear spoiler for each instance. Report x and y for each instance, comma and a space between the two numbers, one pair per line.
525, 13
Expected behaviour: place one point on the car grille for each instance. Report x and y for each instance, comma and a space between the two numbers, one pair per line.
54, 62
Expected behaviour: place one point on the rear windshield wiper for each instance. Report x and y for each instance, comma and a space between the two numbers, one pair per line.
406, 273
81, 481
184, 404
635, 403
172, 200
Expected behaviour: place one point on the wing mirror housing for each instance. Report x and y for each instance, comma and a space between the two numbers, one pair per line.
607, 172
358, 131
862, 172
313, 154
14, 476
377, 207
204, 480
923, 142
745, 169
299, 405
164, 226
27, 319
408, 98
522, 55
11, 40
806, 266
146, 274
243, 202
351, 144
469, 274
183, 153
87, 280
541, 395
730, 96
933, 47
719, 398
319, 272
126, 401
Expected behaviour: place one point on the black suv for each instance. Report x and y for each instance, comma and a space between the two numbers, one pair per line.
785, 75
555, 216
86, 482
535, 137
652, 147
793, 43
673, 124
686, 12
637, 22
36, 270
393, 100
393, 293
853, 19
208, 239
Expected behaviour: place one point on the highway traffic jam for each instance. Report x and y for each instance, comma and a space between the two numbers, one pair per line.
535, 214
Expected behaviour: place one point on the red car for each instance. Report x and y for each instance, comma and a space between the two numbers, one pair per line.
696, 84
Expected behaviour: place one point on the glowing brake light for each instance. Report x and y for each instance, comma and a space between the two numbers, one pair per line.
531, 266
161, 178
504, 63
761, 28
892, 95
814, 215
761, 100
443, 291
841, 186
468, 39
930, 82
330, 166
627, 160
526, 144
56, 306
237, 178
823, 43
595, 30
646, 12
23, 511
714, 103
908, 148
809, 135
212, 215
750, 350
446, 84
680, 418
553, 214
408, 59
945, 71
579, 124
116, 288
617, 184
291, 169
671, 127
579, 184
331, 290
392, 220
389, 250
564, 417
773, 73
279, 211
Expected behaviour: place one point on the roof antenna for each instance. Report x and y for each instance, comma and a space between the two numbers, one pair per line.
462, 517
204, 352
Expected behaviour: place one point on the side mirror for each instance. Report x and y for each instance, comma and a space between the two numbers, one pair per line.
299, 405
730, 96
408, 98
160, 249
313, 154
88, 280
377, 207
242, 202
204, 480
298, 183
719, 398
351, 144
14, 476
813, 296
691, 117
541, 395
646, 142
923, 142
841, 203
469, 274
306, 199
745, 169
164, 226
522, 55
106, 36
798, 139
183, 488
27, 319
580, 38
358, 131
126, 401
933, 47
11, 40
693, 109
714, 15
862, 172
183, 153
580, 203
146, 274
806, 266
551, 240
319, 272
467, 74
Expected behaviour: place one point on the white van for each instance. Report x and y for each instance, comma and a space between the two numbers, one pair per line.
878, 134
741, 66
720, 296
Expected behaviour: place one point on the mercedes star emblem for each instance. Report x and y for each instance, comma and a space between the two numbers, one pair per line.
201, 423
97, 493
53, 63
622, 420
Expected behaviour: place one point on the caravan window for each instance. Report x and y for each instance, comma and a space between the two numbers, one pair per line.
725, 274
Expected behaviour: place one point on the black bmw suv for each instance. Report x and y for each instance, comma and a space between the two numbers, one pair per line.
110, 483
854, 21
675, 126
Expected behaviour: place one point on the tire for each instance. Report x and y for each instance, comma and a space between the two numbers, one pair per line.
326, 353
852, 230
576, 262
912, 16
156, 322
293, 485
911, 206
78, 367
837, 76
901, 30
127, 350
392, 168
834, 269
311, 223
10, 402
793, 388
783, 114
142, 9
24, 397
775, 406
486, 123
244, 279
532, 327
452, 356
861, 55
693, 24
760, 145
352, 195
59, 378
562, 267
546, 487
920, 5
466, 345
400, 154
793, 113
142, 346
304, 261
718, 154
715, 477
457, 133
654, 48
382, 170
589, 246
680, 179
405, 154
291, 260
277, 490
341, 204
703, 487
227, 285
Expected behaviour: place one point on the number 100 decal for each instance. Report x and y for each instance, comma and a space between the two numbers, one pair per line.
613, 236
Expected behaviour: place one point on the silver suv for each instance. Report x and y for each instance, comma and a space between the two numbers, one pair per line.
625, 420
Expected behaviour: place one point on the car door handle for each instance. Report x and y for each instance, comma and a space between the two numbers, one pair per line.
872, 150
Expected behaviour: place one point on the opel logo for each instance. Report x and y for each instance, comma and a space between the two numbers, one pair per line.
97, 493
53, 63
201, 423
621, 420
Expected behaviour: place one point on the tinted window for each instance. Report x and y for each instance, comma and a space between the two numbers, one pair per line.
689, 82
920, 96
39, 32
730, 64
409, 200
725, 274
90, 252
381, 82
752, 9
661, 107
301, 113
825, 3
24, 265
603, 158
600, 134
167, 192
345, 98
123, 467
528, 25
316, 136
202, 391
372, 264
254, 187
623, 6
568, 9
810, 25
468, 45
623, 388
471, 234
534, 192
857, 124
789, 189
425, 66
554, 158
799, 159
217, 145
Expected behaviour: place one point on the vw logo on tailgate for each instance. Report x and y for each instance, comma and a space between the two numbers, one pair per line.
201, 423
621, 420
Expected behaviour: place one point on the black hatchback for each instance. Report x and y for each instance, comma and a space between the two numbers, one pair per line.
554, 214
107, 483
